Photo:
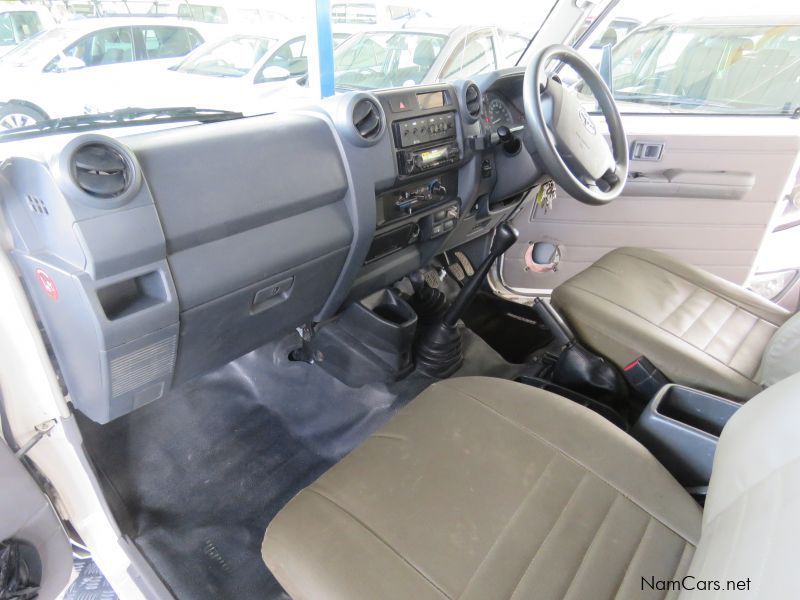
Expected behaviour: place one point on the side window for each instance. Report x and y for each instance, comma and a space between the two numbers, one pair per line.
165, 42
6, 30
105, 47
354, 13
475, 55
399, 12
290, 56
26, 24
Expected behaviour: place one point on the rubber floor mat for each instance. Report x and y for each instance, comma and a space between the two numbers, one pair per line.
196, 476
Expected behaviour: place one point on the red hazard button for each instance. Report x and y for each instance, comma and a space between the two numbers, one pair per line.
47, 283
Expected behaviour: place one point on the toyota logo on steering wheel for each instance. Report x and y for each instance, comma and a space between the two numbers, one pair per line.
587, 121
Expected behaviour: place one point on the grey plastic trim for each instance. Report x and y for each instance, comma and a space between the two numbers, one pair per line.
27, 515
61, 166
343, 118
681, 426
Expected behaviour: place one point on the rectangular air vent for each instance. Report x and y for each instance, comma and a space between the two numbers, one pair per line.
131, 371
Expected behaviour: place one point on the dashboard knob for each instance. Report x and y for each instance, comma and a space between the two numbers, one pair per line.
437, 189
504, 133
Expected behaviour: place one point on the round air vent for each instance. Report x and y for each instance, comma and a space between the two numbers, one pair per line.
367, 119
472, 98
101, 170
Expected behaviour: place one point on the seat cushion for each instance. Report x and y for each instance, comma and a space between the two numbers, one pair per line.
699, 329
484, 488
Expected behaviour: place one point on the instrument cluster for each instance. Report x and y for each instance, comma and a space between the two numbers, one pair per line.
498, 111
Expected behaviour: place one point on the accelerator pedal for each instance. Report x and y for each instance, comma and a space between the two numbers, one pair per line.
465, 263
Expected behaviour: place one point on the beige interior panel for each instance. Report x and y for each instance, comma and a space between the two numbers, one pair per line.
709, 200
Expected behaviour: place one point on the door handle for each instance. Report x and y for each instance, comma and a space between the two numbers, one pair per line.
646, 150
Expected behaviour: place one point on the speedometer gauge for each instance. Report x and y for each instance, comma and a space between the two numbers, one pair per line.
497, 113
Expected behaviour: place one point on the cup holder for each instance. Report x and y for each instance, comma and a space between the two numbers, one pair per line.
681, 427
370, 340
391, 308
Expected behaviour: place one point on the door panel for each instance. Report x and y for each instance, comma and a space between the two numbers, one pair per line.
27, 517
708, 200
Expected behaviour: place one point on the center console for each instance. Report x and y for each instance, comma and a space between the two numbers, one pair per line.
681, 427
423, 204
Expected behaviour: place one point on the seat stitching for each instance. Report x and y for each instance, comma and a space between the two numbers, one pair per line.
700, 316
680, 305
722, 326
563, 453
680, 560
635, 554
550, 532
510, 521
379, 538
595, 537
744, 339
627, 310
663, 268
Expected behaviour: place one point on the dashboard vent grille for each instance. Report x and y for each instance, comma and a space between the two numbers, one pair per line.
367, 119
100, 170
37, 206
472, 96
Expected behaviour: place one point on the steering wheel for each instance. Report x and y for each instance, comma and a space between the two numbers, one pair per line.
563, 136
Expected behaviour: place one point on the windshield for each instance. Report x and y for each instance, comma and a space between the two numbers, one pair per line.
41, 46
710, 68
106, 62
233, 57
385, 59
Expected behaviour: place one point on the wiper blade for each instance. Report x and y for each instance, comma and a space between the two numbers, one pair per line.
123, 117
668, 100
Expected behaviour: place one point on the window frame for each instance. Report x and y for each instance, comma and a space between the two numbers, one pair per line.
490, 32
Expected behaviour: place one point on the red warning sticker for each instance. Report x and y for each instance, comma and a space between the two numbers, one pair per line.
47, 283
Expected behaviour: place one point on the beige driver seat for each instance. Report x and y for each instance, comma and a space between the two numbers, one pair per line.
699, 329
484, 489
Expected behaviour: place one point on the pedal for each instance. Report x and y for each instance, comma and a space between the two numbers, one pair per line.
432, 278
466, 264
457, 272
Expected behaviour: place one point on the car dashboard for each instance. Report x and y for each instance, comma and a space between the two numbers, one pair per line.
154, 257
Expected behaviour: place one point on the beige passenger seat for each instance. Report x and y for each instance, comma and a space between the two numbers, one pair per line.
483, 488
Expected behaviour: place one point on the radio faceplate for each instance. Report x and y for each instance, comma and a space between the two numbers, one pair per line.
424, 129
412, 162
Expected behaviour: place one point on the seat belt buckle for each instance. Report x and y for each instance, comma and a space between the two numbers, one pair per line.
644, 378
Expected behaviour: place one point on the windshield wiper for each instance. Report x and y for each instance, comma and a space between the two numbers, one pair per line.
123, 117
668, 100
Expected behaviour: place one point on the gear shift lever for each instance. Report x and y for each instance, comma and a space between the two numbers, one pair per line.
439, 352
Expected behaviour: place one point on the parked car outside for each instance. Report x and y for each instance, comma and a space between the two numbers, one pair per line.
239, 72
239, 13
419, 55
363, 16
18, 22
720, 64
52, 74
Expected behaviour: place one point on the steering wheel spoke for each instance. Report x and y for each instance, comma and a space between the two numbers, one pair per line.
565, 137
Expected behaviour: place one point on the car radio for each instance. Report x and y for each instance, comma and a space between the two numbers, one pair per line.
426, 142
425, 129
418, 161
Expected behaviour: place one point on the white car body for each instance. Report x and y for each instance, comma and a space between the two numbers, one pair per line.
38, 74
249, 93
13, 28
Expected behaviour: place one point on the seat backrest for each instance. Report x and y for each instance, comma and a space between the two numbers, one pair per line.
751, 522
781, 357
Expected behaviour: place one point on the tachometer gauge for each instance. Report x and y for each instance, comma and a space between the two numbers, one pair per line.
497, 113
